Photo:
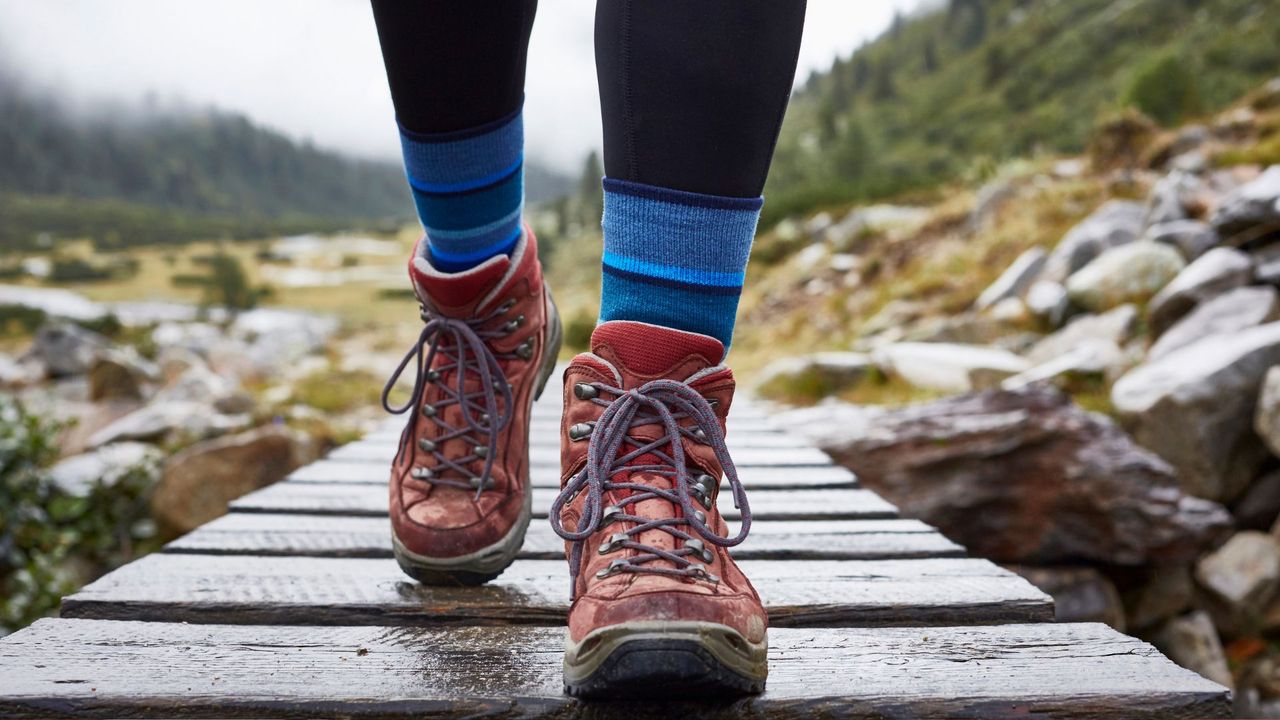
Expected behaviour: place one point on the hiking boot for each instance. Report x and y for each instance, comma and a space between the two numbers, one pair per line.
460, 500
658, 604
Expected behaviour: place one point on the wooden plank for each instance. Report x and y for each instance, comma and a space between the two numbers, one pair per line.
548, 435
837, 504
546, 476
86, 668
381, 452
346, 591
370, 537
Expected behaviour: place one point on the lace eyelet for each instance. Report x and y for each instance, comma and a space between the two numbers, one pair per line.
422, 473
426, 445
506, 306
700, 435
428, 410
700, 571
525, 350
614, 568
582, 430
609, 513
701, 517
432, 375
615, 541
511, 325
476, 482
700, 549
585, 391
481, 451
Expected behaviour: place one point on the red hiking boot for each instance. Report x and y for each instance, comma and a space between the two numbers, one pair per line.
658, 604
460, 500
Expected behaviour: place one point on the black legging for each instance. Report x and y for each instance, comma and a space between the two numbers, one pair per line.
692, 91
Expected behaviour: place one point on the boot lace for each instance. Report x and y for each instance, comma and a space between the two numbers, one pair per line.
663, 402
462, 343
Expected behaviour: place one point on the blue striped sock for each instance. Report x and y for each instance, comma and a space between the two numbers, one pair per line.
469, 189
674, 258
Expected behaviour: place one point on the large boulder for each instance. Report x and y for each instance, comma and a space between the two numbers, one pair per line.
1194, 407
79, 474
1230, 312
1266, 420
1080, 594
170, 421
1048, 301
1092, 360
1115, 223
1254, 205
1015, 280
1116, 326
948, 367
1192, 642
1192, 238
1170, 197
1129, 273
1241, 578
1022, 477
198, 482
65, 349
1211, 274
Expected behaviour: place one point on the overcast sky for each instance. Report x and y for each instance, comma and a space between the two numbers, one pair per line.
311, 68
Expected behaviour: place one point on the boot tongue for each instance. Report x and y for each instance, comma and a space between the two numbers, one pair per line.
457, 295
652, 351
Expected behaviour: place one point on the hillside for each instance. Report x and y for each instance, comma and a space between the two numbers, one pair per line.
946, 94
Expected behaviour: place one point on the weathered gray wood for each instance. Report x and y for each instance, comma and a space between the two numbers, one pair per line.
548, 455
85, 668
370, 537
548, 435
829, 504
349, 591
545, 476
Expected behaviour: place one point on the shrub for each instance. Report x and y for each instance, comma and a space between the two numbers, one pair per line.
1165, 89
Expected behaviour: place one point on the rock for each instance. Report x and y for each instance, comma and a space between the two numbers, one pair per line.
1242, 575
1021, 477
1213, 273
967, 328
1267, 264
78, 474
19, 373
1080, 594
1192, 238
169, 421
198, 482
1015, 280
1194, 407
1166, 202
1129, 273
1230, 312
173, 361
1048, 300
816, 226
1192, 642
1167, 591
820, 374
1116, 326
949, 367
1266, 419
1254, 204
65, 349
1259, 507
120, 375
199, 338
1267, 97
1115, 223
1090, 359
1010, 311
991, 197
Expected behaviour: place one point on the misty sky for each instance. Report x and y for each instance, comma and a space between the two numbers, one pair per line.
311, 68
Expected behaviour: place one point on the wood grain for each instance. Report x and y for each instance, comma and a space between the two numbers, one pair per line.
546, 476
85, 668
370, 537
338, 591
825, 504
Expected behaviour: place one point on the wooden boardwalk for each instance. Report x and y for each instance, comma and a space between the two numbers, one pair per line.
290, 606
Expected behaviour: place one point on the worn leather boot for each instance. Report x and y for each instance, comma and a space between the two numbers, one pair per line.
460, 500
658, 604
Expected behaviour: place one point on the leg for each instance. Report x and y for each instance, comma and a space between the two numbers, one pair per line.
456, 71
692, 95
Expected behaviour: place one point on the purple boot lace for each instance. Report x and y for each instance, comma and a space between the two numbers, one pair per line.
464, 345
664, 402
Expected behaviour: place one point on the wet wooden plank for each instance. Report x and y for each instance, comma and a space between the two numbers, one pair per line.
547, 476
369, 537
349, 591
86, 668
826, 504
382, 452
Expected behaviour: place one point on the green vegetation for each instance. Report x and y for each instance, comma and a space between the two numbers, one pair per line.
941, 94
53, 539
225, 284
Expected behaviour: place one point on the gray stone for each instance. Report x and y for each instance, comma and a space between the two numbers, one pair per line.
991, 197
1267, 264
19, 373
1242, 575
1129, 273
120, 374
169, 422
1192, 238
1166, 591
1195, 406
948, 367
1015, 280
1166, 202
1230, 312
1255, 204
1115, 223
1192, 642
79, 474
1259, 507
173, 361
828, 372
1021, 477
1048, 300
65, 349
1266, 420
1211, 274
1090, 359
1116, 326
1080, 594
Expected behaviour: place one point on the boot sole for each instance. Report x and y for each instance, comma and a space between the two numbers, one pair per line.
679, 659
488, 563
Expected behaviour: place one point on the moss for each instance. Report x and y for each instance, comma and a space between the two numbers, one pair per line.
334, 391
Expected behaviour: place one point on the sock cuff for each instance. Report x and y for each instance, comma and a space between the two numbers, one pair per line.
466, 160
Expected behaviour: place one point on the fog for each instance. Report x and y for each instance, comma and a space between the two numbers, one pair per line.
311, 68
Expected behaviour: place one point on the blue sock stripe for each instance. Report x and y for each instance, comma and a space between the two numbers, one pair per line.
474, 255
498, 225
467, 161
466, 186
470, 210
675, 258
